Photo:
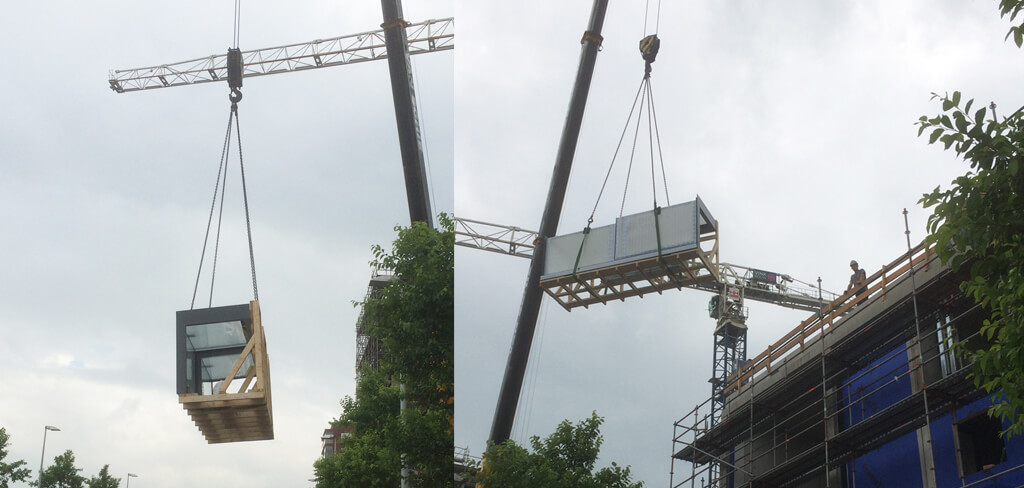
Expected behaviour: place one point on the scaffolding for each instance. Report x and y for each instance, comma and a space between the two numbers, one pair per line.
874, 366
369, 348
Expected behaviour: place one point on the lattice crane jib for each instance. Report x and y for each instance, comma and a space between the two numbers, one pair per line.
423, 37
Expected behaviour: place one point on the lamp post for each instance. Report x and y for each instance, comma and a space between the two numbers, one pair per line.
128, 482
43, 455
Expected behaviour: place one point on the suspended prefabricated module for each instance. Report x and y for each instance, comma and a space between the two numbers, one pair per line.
657, 250
224, 373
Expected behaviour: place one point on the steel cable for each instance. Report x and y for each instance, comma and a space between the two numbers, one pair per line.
213, 205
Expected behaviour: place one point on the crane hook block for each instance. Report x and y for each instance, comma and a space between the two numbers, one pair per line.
649, 47
234, 65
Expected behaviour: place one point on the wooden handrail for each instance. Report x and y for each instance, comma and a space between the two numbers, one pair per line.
818, 322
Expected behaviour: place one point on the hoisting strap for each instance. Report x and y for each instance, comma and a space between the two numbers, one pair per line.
579, 253
657, 233
657, 228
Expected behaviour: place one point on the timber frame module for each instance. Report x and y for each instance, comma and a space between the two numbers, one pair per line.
848, 390
650, 252
217, 346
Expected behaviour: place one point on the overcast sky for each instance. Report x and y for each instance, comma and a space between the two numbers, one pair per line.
793, 121
103, 204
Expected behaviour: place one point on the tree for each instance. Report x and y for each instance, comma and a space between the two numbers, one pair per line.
979, 222
1013, 8
566, 459
12, 471
412, 317
62, 473
104, 480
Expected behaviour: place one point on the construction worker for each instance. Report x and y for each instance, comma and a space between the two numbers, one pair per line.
858, 280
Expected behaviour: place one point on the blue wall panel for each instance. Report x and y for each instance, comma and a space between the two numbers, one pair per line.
946, 472
895, 465
874, 388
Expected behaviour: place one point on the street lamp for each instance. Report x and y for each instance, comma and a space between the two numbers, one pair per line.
43, 455
129, 481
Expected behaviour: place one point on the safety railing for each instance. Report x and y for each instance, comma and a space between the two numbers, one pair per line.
877, 285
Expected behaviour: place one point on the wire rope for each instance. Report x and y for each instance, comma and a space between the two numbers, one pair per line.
657, 136
524, 412
644, 98
657, 16
650, 142
221, 186
220, 221
213, 205
632, 156
245, 200
616, 154
647, 10
237, 22
423, 131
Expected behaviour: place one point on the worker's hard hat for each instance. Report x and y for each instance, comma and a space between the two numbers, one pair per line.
853, 262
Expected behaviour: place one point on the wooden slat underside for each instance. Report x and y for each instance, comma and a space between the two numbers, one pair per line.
636, 278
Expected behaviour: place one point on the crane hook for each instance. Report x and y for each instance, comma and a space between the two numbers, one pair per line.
234, 67
649, 50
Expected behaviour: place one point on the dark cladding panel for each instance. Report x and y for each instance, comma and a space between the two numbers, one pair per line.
208, 342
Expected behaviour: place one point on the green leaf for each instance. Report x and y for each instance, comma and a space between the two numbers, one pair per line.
947, 104
946, 122
956, 98
1014, 167
961, 121
948, 140
935, 136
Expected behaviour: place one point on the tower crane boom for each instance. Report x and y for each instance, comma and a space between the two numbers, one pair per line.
423, 37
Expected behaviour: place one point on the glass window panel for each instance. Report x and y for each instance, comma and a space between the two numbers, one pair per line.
215, 368
218, 335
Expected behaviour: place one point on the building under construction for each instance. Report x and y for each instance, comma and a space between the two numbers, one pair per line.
369, 348
865, 392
